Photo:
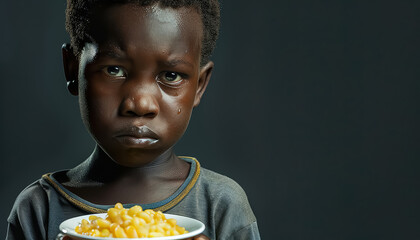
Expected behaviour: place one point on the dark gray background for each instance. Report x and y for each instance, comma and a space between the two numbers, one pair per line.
312, 108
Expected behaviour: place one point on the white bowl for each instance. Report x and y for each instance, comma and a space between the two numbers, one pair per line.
194, 227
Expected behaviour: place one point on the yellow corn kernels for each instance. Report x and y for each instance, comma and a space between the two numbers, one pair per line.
130, 223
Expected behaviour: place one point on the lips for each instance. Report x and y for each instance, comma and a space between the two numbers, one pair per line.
141, 136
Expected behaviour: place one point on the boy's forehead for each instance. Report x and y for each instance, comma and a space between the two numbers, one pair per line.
162, 14
117, 20
134, 33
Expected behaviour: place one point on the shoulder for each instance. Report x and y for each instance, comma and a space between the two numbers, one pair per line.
221, 185
229, 205
29, 215
32, 197
225, 193
33, 201
213, 187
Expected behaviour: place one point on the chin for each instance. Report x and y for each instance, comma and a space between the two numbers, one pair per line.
136, 158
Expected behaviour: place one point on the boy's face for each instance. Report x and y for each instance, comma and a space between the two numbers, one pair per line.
140, 79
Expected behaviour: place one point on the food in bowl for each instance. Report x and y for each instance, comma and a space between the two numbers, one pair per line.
130, 223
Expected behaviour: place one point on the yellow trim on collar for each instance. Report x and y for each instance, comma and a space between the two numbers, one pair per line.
163, 208
74, 201
187, 189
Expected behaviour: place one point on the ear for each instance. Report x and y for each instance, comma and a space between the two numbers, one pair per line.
203, 81
71, 69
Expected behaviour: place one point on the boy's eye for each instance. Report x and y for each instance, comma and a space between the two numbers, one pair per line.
172, 77
114, 71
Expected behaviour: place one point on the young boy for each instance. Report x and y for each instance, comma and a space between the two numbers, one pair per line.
138, 68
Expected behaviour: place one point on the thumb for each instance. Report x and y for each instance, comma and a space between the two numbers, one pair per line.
62, 237
201, 237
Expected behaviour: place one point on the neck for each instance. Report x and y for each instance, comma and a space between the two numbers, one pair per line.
100, 168
101, 180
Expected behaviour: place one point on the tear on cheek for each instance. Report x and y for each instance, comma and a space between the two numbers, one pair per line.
179, 110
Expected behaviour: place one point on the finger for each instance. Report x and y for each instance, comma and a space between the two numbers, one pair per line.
198, 237
62, 237
201, 237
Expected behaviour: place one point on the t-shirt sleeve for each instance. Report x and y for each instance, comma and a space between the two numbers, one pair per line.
28, 218
249, 232
234, 214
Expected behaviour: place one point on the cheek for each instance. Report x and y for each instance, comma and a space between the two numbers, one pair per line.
181, 100
97, 107
84, 106
180, 122
185, 104
184, 111
177, 111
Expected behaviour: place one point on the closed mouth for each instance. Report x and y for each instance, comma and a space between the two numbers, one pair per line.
137, 135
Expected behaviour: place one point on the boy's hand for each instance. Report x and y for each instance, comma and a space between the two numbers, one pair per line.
62, 237
199, 237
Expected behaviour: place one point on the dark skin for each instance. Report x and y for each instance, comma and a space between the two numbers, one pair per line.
137, 84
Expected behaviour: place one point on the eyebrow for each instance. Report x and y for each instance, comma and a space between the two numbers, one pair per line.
111, 54
177, 61
118, 54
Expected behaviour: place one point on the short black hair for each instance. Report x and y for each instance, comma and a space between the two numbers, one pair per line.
79, 13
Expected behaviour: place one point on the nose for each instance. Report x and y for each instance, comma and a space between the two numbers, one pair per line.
140, 101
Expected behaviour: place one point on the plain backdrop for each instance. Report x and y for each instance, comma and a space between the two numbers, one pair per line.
313, 108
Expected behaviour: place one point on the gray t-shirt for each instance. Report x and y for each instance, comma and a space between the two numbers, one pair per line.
216, 200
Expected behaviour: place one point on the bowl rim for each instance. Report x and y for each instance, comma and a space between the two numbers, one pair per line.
69, 231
